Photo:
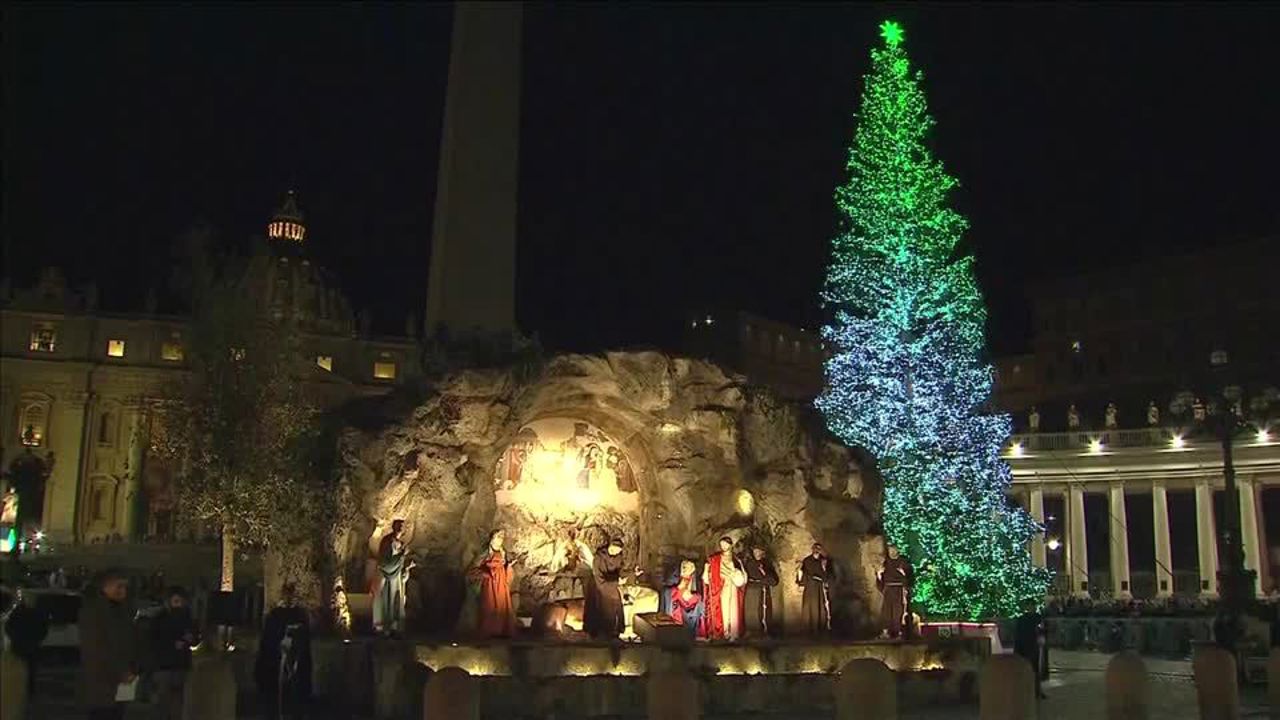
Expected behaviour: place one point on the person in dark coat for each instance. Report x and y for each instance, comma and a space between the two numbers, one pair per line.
283, 666
173, 634
815, 576
602, 613
108, 650
1029, 638
757, 600
26, 627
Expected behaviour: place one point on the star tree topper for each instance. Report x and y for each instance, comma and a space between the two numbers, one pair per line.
891, 32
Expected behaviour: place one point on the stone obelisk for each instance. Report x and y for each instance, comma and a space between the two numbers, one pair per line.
473, 241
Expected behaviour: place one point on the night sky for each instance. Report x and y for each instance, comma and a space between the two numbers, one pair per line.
674, 157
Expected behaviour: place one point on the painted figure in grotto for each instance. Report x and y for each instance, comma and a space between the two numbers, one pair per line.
724, 578
815, 576
757, 598
493, 574
894, 579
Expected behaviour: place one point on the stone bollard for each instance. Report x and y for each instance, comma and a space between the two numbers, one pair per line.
13, 687
1007, 689
1128, 696
673, 696
866, 690
451, 694
1217, 689
1273, 682
210, 693
394, 691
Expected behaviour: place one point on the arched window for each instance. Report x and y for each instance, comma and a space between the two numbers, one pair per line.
33, 421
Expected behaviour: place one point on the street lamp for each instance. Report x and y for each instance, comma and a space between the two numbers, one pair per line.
1224, 417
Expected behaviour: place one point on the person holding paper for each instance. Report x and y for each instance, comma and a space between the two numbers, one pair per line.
108, 652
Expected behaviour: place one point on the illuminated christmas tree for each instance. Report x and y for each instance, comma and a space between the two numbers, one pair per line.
906, 378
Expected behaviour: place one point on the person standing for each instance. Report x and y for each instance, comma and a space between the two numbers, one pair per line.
494, 574
282, 669
393, 572
108, 651
815, 575
1028, 640
603, 615
757, 600
894, 580
724, 579
173, 634
26, 625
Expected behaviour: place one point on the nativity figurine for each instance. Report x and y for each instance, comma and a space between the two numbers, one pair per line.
815, 575
757, 598
724, 579
894, 580
493, 574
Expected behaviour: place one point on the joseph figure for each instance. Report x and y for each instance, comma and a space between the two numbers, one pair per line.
393, 573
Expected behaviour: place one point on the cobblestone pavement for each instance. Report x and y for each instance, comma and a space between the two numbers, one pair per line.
1075, 690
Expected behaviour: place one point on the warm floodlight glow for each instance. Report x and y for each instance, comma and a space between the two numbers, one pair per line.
1263, 436
1054, 543
1016, 450
746, 503
1177, 442
1095, 446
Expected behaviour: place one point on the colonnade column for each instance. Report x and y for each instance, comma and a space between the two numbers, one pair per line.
1036, 507
1119, 536
1164, 548
1077, 542
1249, 529
1206, 539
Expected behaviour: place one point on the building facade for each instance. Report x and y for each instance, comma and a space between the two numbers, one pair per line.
1113, 454
76, 384
787, 359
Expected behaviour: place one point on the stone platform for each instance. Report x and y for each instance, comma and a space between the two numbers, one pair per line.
595, 680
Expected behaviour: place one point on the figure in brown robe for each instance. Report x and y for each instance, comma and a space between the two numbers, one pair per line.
603, 616
494, 574
757, 600
815, 575
894, 579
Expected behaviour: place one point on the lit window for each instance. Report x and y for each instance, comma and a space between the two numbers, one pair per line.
383, 370
237, 353
1075, 346
326, 362
171, 351
43, 338
31, 425
115, 348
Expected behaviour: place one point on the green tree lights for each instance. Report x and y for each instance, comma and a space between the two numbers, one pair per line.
906, 378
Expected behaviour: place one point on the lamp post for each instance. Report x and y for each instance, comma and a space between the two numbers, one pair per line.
1235, 582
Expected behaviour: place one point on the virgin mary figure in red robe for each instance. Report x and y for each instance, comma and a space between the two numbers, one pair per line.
497, 618
723, 580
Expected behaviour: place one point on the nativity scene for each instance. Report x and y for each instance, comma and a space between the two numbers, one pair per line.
562, 508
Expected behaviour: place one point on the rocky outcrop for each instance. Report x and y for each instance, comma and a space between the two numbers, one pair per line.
708, 456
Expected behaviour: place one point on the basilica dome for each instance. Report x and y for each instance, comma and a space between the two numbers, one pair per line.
289, 286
